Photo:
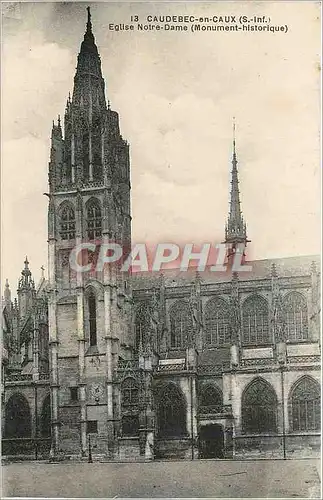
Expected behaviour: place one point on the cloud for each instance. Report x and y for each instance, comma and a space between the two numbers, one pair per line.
35, 75
24, 209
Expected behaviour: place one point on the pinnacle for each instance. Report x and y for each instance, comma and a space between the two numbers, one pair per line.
274, 270
88, 24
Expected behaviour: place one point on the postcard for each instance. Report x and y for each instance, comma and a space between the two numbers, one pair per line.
161, 252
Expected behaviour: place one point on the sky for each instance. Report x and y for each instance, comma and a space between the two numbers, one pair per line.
176, 94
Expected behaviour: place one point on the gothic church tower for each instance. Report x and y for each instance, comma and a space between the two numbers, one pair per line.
89, 312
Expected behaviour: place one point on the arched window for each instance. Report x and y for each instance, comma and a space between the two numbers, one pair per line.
129, 393
45, 426
94, 219
217, 327
259, 408
18, 418
255, 321
142, 324
295, 310
210, 400
129, 406
305, 404
67, 222
181, 324
92, 318
172, 412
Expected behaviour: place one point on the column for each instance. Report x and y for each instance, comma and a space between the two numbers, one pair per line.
236, 408
36, 349
90, 157
109, 348
149, 413
73, 158
53, 346
81, 357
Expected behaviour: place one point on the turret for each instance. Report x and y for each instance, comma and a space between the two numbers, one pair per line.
7, 296
26, 291
55, 175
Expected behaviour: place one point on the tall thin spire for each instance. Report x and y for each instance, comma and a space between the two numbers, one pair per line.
88, 24
235, 231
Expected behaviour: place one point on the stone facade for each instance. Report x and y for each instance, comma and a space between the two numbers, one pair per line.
179, 365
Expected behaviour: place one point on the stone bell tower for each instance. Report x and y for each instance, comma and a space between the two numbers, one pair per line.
89, 312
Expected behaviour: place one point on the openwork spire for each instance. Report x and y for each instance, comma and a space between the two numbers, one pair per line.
235, 230
88, 81
89, 59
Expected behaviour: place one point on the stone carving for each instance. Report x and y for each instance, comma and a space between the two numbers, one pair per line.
235, 317
257, 361
196, 310
96, 392
65, 259
315, 302
277, 308
154, 317
95, 362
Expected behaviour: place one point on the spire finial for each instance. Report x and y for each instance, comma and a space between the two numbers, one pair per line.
42, 272
88, 24
235, 277
274, 273
313, 267
26, 262
7, 293
234, 134
59, 120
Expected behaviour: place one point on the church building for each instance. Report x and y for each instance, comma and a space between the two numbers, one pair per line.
148, 366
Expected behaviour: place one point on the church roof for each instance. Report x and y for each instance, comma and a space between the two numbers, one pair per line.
261, 269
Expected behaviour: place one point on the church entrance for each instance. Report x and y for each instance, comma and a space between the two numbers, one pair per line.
211, 441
